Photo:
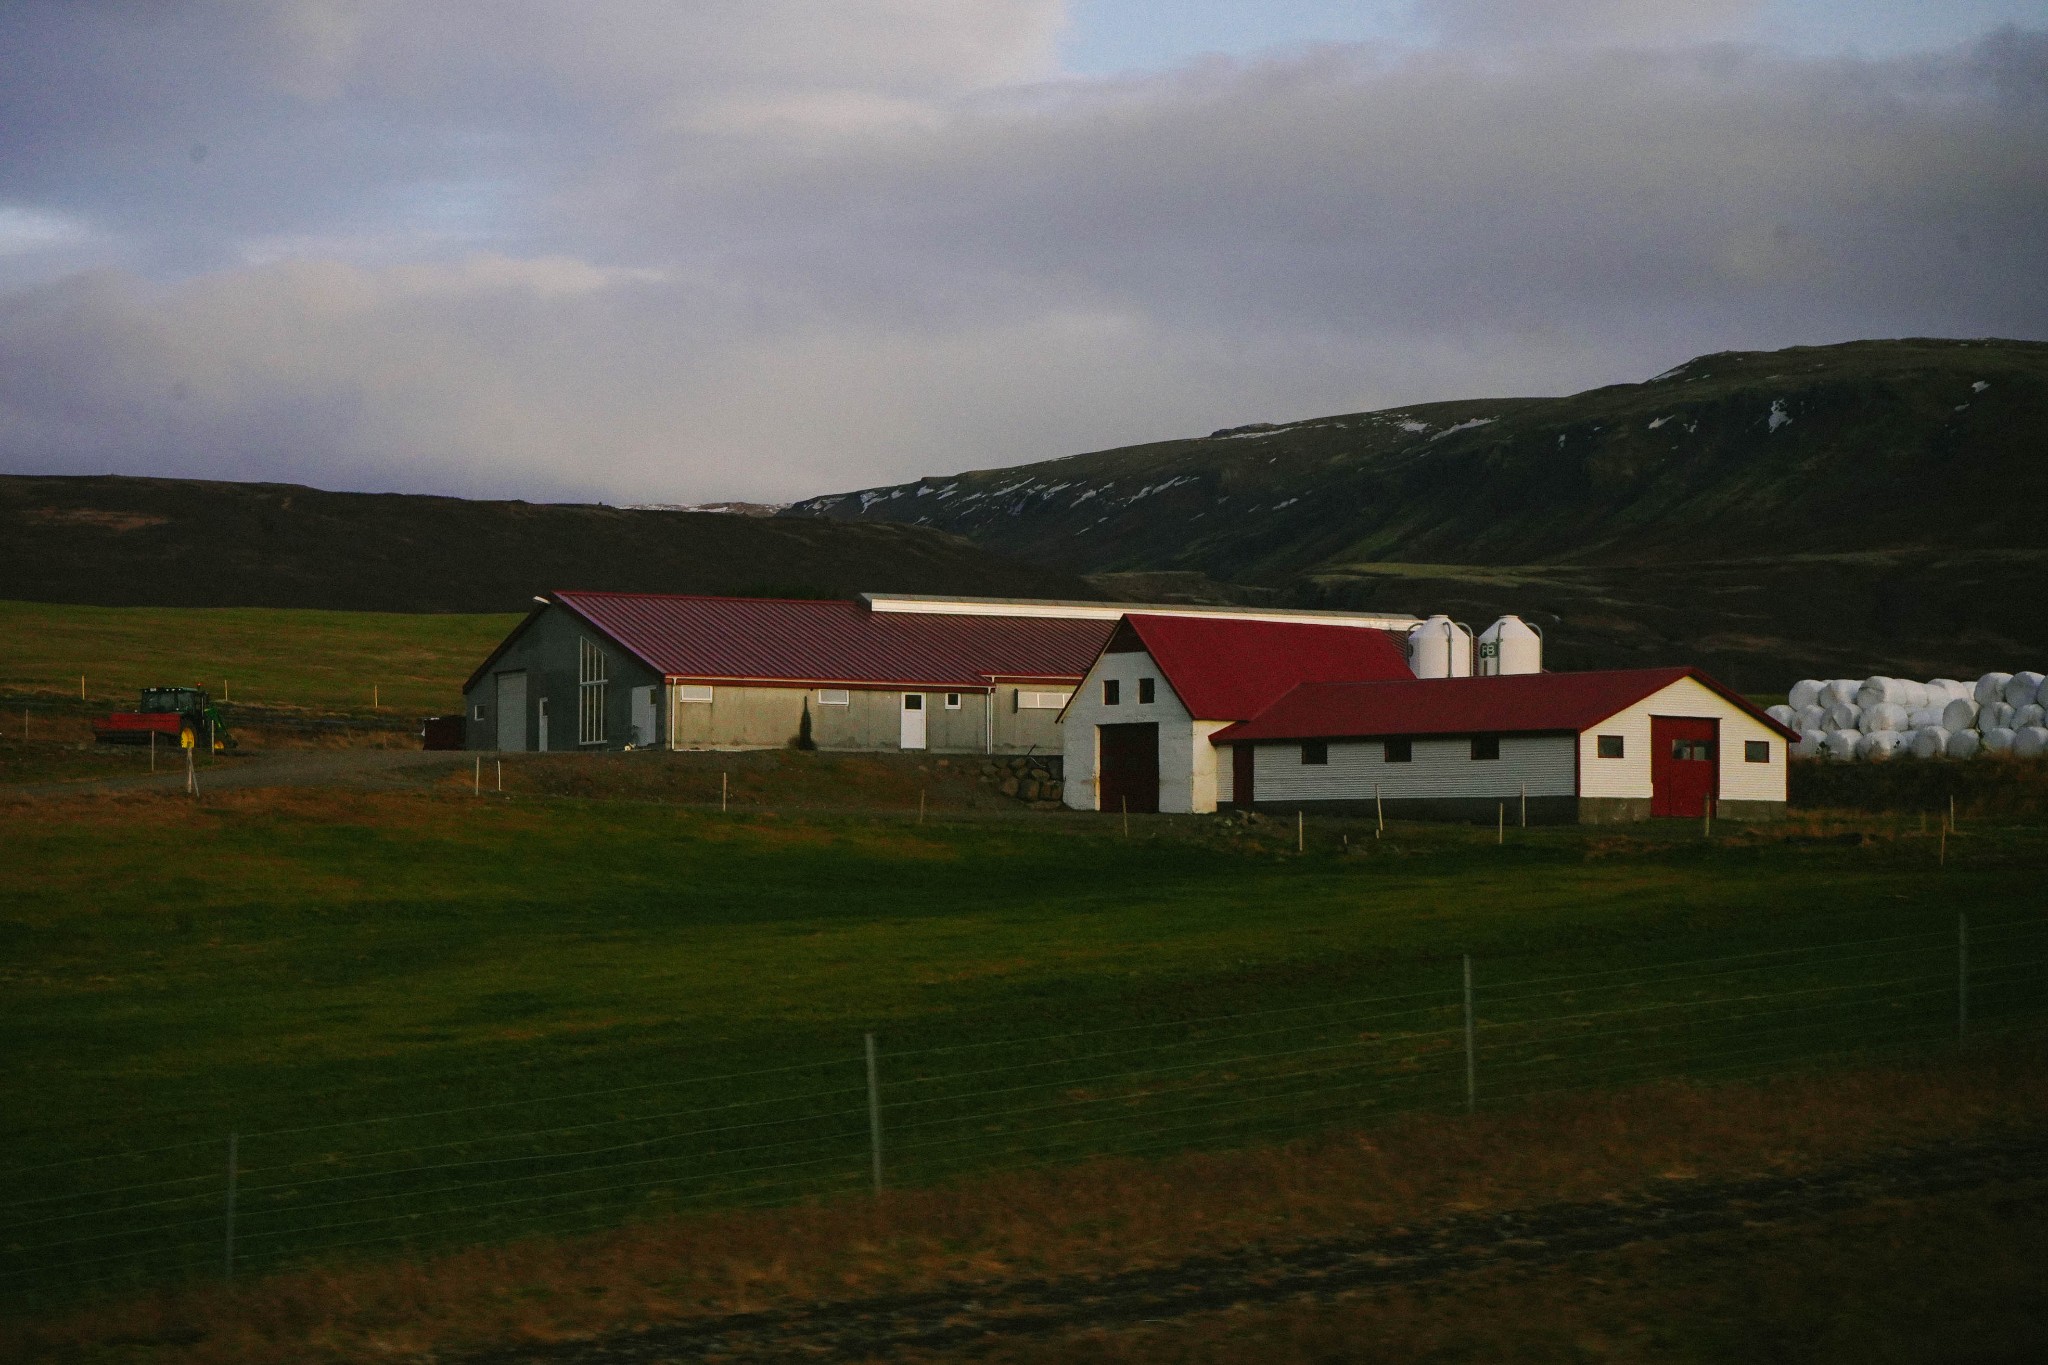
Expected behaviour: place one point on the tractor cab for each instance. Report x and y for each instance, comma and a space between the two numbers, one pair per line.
183, 701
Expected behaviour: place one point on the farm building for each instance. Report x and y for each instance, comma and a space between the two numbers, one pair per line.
1139, 727
1591, 747
601, 670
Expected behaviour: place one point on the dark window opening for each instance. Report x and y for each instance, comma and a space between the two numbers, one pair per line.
1610, 746
1397, 750
1145, 691
1315, 751
1693, 750
1756, 750
913, 701
1111, 692
1486, 747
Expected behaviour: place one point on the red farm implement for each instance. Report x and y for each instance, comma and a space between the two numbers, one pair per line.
169, 713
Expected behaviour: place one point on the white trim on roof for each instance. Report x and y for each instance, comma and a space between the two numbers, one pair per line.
1112, 611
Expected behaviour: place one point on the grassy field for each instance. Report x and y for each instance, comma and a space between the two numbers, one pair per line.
325, 662
433, 1019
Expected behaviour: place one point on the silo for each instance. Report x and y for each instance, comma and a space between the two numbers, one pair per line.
1440, 648
1510, 645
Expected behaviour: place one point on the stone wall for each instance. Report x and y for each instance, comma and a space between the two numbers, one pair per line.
1035, 778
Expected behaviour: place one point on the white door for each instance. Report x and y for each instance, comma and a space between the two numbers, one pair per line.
913, 720
543, 722
512, 712
643, 717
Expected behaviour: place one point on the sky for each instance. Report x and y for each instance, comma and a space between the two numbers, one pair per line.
658, 251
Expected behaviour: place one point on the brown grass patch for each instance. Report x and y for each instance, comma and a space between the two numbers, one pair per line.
1102, 1215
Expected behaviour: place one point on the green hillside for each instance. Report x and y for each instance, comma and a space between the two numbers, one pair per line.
188, 543
1842, 507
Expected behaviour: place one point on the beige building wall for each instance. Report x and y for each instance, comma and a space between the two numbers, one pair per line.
870, 720
1628, 777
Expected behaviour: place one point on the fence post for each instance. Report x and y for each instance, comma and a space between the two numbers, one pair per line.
228, 1252
874, 1114
1471, 1048
1962, 975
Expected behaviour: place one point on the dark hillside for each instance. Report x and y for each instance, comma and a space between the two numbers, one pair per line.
1842, 506
177, 542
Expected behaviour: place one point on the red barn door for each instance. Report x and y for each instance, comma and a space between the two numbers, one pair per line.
1685, 765
1128, 777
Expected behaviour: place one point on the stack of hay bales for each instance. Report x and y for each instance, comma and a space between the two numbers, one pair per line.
1877, 719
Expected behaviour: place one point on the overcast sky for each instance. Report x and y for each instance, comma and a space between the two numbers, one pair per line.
676, 250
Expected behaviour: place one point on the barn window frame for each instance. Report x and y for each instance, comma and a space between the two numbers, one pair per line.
1486, 748
1112, 692
1610, 746
1148, 691
952, 701
593, 686
1401, 750
700, 694
1315, 752
835, 696
1756, 751
1022, 700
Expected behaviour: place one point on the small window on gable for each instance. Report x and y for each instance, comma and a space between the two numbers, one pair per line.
1756, 750
1610, 746
697, 692
1397, 750
1111, 692
1485, 748
1315, 751
479, 713
1146, 691
834, 696
952, 701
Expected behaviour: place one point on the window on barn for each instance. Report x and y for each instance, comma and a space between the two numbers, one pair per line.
1756, 750
479, 713
952, 701
1111, 692
591, 678
1610, 746
1693, 750
1315, 751
834, 696
697, 692
1041, 701
1397, 750
1485, 748
1146, 692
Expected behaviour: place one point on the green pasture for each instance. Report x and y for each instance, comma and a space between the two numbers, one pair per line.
321, 661
433, 1019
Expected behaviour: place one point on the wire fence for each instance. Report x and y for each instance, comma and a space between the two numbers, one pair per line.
448, 1176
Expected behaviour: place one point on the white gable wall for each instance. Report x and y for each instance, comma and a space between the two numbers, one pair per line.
1187, 760
1628, 777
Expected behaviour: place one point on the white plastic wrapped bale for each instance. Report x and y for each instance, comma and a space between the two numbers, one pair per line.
1965, 744
1841, 745
2023, 688
1805, 693
1784, 715
1886, 715
1998, 741
2024, 716
1812, 718
1811, 743
1994, 715
1990, 688
1960, 714
2031, 742
1840, 691
1931, 742
1916, 694
1878, 746
1948, 689
1878, 690
1842, 716
1925, 718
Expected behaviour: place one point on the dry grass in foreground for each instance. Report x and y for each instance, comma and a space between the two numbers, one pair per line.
1104, 1215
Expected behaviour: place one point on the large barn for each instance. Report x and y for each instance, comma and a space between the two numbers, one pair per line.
590, 671
1139, 727
1591, 747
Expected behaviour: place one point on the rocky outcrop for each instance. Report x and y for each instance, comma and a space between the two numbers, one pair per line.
1034, 778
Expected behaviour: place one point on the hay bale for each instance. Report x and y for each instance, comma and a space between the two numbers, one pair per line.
1960, 714
1811, 743
1924, 718
1805, 693
1841, 744
1994, 715
1916, 694
1878, 690
1998, 741
1931, 742
1878, 746
1965, 744
2023, 688
2031, 742
1842, 716
1813, 718
1948, 689
1840, 691
1885, 715
1784, 715
2025, 716
1990, 688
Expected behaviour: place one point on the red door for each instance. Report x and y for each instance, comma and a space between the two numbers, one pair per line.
1685, 765
1128, 778
1241, 775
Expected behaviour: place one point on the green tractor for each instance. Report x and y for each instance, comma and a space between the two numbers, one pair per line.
185, 716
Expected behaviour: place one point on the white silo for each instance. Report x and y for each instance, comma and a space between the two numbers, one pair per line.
1440, 648
1510, 645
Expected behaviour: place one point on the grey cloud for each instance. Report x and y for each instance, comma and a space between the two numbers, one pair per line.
576, 263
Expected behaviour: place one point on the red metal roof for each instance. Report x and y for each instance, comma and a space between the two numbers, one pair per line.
1525, 703
813, 643
1234, 669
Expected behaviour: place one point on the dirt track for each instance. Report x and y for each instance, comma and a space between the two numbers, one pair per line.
961, 1320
